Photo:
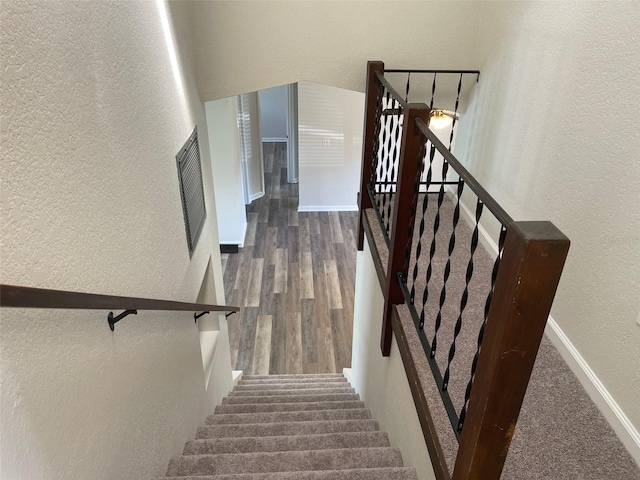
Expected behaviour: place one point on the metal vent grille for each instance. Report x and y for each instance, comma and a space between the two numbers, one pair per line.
191, 190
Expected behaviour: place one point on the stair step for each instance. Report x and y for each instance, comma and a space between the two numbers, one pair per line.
394, 473
286, 407
286, 428
291, 391
294, 376
271, 381
276, 417
301, 398
287, 443
335, 459
289, 386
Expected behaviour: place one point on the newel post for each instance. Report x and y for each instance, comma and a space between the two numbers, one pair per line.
404, 207
371, 92
533, 258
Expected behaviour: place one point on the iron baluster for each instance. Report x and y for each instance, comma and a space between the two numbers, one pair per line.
455, 113
386, 135
433, 91
376, 137
393, 174
432, 249
406, 96
465, 293
414, 203
487, 305
425, 203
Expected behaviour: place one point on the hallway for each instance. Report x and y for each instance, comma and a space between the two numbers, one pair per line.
294, 281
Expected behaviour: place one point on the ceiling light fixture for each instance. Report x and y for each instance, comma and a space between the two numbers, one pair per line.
440, 119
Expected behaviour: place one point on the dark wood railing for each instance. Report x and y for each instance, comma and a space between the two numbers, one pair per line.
520, 284
29, 297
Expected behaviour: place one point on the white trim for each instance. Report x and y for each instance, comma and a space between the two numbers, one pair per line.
599, 394
292, 133
328, 208
239, 242
236, 376
274, 139
596, 390
256, 196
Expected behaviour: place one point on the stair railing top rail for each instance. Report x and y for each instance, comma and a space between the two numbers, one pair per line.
30, 297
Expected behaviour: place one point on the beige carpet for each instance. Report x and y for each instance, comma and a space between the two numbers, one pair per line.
282, 427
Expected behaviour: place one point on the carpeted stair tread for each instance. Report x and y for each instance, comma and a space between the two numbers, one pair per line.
292, 381
292, 376
335, 459
289, 386
286, 428
287, 443
291, 391
286, 407
392, 473
290, 427
316, 397
275, 417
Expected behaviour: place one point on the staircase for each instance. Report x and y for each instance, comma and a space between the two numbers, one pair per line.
285, 427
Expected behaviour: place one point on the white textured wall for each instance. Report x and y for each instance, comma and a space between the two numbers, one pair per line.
222, 119
96, 102
381, 381
251, 45
553, 134
273, 112
330, 122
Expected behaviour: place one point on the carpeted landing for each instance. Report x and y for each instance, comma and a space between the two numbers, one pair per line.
285, 427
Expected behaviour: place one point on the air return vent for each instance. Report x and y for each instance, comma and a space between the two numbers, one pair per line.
191, 190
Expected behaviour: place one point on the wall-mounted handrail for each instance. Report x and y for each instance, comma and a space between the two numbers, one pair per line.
30, 297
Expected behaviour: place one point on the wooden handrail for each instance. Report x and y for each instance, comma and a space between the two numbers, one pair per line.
393, 91
29, 297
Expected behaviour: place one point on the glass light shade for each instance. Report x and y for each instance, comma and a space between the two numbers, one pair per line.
439, 120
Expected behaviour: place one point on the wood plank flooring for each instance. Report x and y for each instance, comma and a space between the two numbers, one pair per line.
294, 281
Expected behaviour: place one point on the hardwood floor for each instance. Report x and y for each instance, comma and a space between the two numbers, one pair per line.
294, 281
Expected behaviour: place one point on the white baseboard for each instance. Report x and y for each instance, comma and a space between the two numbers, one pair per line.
274, 139
255, 196
598, 393
237, 241
328, 208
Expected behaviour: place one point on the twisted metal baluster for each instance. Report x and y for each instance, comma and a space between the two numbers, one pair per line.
425, 203
432, 250
487, 305
389, 167
396, 163
465, 294
433, 91
455, 113
447, 272
385, 153
414, 203
376, 137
